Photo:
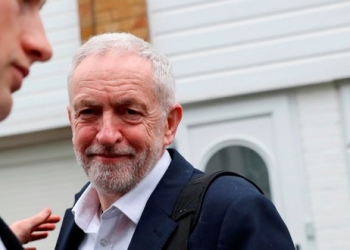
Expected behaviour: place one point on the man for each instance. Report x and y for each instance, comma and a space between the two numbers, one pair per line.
123, 114
22, 42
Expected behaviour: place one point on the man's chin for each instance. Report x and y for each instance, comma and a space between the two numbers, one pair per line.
112, 189
5, 106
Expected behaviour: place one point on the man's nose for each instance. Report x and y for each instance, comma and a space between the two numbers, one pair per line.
34, 41
109, 132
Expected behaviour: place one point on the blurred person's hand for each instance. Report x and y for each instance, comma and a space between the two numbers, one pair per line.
35, 227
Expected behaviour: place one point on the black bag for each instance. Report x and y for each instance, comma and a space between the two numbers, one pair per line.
188, 207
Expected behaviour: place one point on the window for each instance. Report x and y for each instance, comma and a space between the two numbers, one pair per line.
243, 161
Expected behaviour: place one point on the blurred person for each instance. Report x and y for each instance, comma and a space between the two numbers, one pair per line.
123, 115
22, 42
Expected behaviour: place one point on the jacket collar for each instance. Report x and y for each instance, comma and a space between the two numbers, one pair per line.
156, 226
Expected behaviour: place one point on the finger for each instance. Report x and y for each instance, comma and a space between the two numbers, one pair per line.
49, 225
38, 236
39, 218
45, 227
22, 229
53, 219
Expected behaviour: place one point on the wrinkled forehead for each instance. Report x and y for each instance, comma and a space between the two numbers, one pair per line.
111, 68
114, 63
110, 65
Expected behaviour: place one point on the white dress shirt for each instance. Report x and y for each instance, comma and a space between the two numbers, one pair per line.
115, 227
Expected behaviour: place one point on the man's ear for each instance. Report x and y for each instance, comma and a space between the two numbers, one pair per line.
172, 122
69, 112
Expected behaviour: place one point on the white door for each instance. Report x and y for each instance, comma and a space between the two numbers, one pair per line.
262, 127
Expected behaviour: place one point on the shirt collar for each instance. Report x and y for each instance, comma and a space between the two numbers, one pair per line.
86, 208
131, 204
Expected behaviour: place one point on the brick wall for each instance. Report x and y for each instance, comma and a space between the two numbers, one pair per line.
100, 16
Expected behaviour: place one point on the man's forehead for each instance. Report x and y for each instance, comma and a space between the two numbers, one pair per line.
113, 64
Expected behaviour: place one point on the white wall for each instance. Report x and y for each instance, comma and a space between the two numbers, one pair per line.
324, 157
41, 102
38, 170
251, 46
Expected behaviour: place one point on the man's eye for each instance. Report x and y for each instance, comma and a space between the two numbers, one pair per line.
88, 112
131, 112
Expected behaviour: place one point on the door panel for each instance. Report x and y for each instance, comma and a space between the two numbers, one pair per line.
264, 125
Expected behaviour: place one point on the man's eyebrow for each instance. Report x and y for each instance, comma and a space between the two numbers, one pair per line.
84, 103
130, 101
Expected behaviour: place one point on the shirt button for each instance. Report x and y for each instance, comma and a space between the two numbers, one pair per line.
104, 242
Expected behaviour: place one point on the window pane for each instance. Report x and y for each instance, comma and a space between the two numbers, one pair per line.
243, 161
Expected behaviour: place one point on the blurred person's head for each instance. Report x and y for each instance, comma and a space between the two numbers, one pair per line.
22, 42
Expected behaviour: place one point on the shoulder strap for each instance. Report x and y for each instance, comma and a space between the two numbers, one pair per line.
188, 206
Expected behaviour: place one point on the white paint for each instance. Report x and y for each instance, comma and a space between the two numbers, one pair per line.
322, 141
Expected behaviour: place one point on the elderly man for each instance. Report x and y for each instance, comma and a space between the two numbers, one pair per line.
123, 114
22, 42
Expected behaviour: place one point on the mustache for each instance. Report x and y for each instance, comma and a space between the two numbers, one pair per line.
109, 150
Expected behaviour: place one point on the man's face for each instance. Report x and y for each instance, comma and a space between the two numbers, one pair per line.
118, 132
22, 42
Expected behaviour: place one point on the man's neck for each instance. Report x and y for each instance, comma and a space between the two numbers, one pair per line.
106, 200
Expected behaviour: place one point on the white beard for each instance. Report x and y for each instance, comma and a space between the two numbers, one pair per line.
121, 177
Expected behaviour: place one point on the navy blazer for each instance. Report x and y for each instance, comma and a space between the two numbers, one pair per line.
8, 238
234, 215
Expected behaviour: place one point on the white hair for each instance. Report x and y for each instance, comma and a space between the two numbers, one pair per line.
125, 43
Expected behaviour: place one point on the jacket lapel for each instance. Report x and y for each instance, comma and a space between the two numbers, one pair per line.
70, 235
153, 230
155, 225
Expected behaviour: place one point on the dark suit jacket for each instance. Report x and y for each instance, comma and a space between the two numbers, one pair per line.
8, 238
234, 216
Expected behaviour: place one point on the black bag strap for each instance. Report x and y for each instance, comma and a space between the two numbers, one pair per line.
188, 206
